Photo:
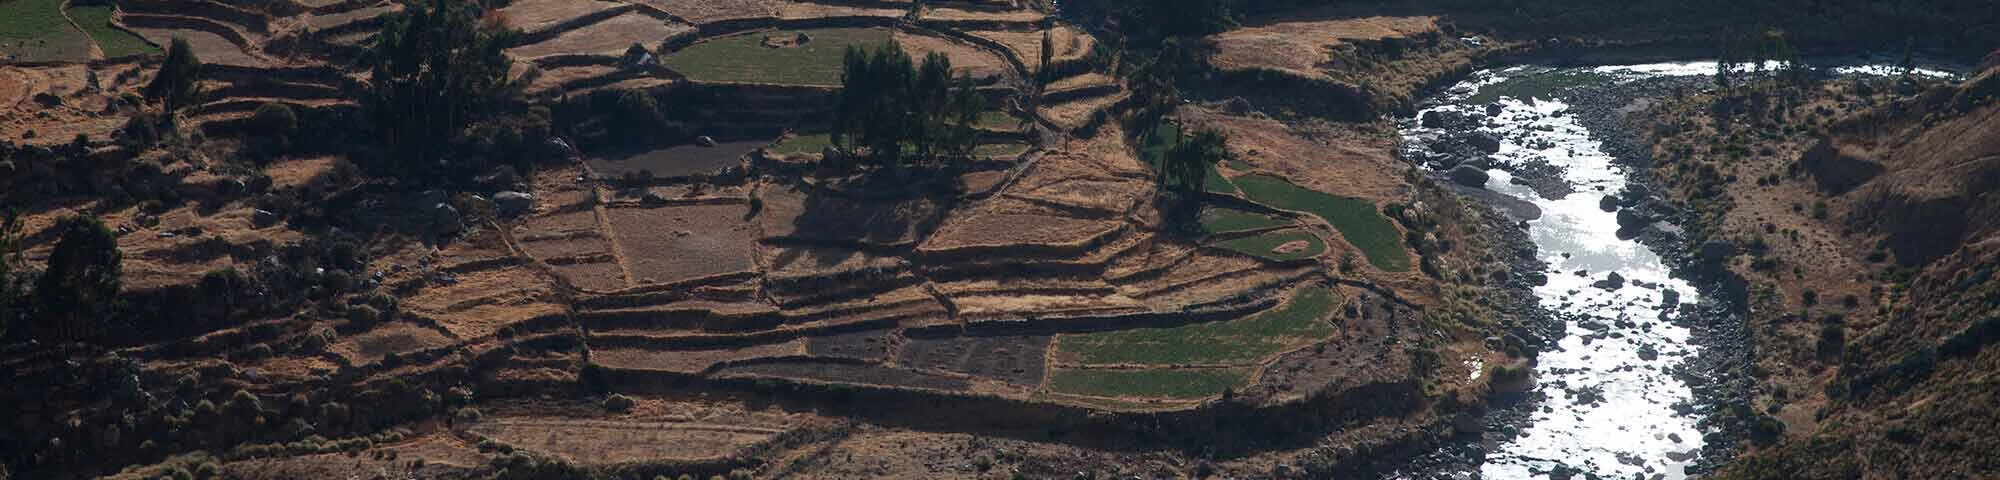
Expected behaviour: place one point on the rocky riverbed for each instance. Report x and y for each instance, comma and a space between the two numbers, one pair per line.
1648, 351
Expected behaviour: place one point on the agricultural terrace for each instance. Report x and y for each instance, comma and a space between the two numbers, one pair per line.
1358, 220
36, 31
1282, 245
1302, 320
111, 41
775, 56
1150, 383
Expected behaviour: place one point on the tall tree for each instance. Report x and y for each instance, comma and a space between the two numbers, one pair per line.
436, 70
78, 293
1183, 172
888, 103
1042, 74
179, 81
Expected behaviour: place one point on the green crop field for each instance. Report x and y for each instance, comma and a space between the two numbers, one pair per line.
998, 121
1225, 220
745, 58
1242, 340
1358, 220
35, 31
1177, 384
96, 21
1002, 150
1266, 245
803, 144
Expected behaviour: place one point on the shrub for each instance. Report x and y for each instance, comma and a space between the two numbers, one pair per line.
619, 403
363, 315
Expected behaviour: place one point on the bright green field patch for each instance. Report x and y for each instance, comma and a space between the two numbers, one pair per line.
1225, 220
1247, 339
745, 58
96, 21
998, 121
1267, 245
1187, 384
1153, 149
35, 31
803, 145
1000, 150
1358, 220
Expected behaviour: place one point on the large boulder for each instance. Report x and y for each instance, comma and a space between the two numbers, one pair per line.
1469, 176
509, 204
1633, 218
1836, 170
1485, 142
445, 219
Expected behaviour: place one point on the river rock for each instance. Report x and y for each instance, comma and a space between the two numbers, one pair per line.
1469, 176
705, 141
1609, 203
511, 203
446, 219
1632, 218
1494, 109
1613, 282
1485, 142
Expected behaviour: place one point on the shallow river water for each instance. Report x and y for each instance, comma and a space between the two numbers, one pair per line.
1607, 402
1607, 395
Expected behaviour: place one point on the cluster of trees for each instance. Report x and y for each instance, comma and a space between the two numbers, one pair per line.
1182, 174
440, 99
888, 103
1757, 50
74, 297
179, 82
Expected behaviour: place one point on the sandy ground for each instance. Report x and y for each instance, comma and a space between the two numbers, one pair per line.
1299, 47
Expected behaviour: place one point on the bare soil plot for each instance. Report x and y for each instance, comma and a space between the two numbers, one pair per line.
1088, 79
750, 58
807, 261
1073, 114
209, 47
1075, 180
985, 228
1340, 162
797, 9
602, 442
295, 172
557, 225
1019, 360
535, 15
848, 373
609, 37
559, 76
873, 346
398, 337
1011, 307
966, 58
605, 276
1299, 48
675, 162
323, 22
689, 361
1070, 44
797, 214
1248, 340
677, 243
705, 11
481, 302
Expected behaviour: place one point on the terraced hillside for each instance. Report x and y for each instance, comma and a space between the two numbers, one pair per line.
734, 306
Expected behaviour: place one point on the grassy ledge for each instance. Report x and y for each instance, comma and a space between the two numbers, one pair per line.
1249, 339
1357, 220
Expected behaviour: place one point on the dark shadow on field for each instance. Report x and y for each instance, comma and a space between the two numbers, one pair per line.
865, 214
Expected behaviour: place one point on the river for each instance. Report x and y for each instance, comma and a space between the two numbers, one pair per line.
1612, 397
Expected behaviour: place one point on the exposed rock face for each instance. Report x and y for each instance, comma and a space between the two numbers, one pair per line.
1837, 171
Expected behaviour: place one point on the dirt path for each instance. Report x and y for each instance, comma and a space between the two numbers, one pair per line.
611, 235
